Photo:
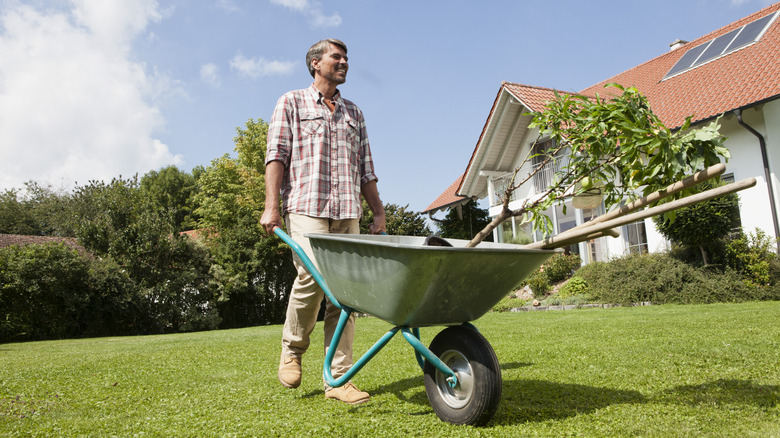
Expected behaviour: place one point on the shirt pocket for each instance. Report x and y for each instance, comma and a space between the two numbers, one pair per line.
312, 123
353, 134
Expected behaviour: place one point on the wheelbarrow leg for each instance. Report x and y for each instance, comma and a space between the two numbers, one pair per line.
430, 357
420, 358
326, 372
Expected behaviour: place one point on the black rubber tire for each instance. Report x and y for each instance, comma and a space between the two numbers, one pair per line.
475, 399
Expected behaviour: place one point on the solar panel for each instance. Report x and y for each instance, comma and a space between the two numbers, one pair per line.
687, 59
721, 45
750, 32
717, 47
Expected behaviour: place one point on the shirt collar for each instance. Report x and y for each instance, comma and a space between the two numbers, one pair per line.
318, 95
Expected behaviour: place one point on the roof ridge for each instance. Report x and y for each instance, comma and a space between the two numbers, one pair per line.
536, 87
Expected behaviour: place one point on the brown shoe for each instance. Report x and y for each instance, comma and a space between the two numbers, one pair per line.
290, 371
348, 394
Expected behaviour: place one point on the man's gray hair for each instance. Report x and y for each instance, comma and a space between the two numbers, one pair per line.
320, 48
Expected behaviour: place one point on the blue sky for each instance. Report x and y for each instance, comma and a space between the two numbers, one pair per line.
93, 89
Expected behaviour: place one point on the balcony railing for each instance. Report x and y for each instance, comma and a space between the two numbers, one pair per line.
538, 184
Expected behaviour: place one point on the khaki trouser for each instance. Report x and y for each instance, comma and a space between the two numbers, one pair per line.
306, 296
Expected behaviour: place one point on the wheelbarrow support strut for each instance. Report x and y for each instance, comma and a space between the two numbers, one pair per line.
411, 334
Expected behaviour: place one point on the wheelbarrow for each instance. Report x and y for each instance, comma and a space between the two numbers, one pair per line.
411, 284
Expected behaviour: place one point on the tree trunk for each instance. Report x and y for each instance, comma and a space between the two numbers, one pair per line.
703, 255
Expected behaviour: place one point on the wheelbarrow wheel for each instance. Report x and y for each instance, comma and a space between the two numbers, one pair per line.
475, 398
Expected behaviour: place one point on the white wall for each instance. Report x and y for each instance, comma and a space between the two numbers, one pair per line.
772, 136
746, 162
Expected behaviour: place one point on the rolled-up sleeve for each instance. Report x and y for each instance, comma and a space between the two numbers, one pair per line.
280, 136
366, 164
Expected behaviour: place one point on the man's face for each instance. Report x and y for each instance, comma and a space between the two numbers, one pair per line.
333, 65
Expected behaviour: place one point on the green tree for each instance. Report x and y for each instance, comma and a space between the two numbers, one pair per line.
173, 193
117, 221
464, 224
36, 210
53, 291
701, 225
15, 217
42, 292
253, 271
400, 221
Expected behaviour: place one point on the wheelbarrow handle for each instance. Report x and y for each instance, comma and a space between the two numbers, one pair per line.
315, 273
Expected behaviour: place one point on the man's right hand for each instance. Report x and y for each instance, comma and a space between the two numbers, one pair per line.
271, 219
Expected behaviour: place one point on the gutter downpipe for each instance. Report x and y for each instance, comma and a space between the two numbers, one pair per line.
767, 174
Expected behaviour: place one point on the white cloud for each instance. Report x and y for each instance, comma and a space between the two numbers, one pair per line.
115, 23
74, 106
298, 5
313, 10
228, 6
209, 73
260, 67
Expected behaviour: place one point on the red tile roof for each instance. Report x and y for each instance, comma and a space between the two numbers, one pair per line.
448, 198
747, 76
7, 240
534, 98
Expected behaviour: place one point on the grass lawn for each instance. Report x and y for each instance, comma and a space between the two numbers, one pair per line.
711, 370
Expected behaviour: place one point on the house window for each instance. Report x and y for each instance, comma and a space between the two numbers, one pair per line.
595, 249
566, 222
635, 237
736, 225
540, 152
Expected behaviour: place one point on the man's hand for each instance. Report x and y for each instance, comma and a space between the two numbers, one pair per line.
378, 226
271, 219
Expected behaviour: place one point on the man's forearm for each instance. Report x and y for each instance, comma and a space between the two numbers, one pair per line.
371, 195
274, 174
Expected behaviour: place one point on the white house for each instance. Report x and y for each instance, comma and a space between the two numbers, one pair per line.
732, 73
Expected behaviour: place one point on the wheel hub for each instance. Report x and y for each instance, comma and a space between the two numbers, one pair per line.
461, 394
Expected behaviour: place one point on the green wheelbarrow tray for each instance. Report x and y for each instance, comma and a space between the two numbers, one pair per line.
410, 285
401, 281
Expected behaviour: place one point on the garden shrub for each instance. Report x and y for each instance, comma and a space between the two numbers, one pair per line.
635, 278
750, 255
116, 306
53, 291
557, 269
561, 266
576, 286
662, 279
508, 303
42, 292
539, 283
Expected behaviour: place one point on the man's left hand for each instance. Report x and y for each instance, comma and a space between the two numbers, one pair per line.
378, 226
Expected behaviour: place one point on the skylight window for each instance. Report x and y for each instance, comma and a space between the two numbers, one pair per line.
722, 45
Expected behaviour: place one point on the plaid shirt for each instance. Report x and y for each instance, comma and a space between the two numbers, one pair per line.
326, 155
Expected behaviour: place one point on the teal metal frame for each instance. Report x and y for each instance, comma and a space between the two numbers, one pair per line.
411, 334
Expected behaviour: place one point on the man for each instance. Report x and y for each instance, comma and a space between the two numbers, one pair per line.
319, 159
